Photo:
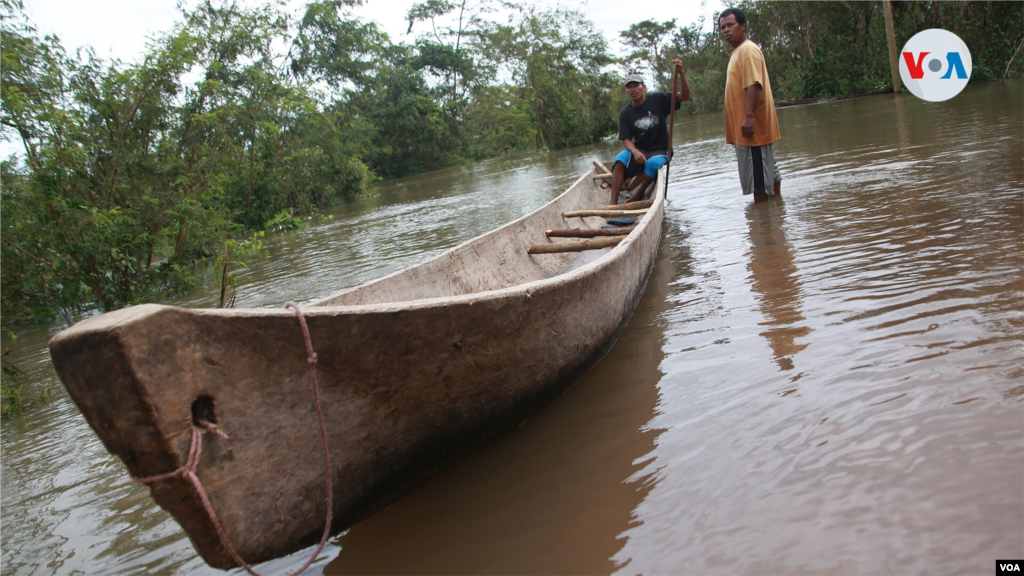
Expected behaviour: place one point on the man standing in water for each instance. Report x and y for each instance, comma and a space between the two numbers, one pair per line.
643, 130
751, 125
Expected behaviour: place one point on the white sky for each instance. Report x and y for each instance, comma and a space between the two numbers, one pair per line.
120, 28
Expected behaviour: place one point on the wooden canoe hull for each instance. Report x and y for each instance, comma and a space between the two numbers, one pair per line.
406, 386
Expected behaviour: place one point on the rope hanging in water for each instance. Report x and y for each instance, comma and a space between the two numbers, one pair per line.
188, 471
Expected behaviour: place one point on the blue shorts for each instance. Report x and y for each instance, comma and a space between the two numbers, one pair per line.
654, 163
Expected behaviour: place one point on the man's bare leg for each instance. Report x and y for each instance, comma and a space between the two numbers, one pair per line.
638, 193
618, 177
764, 197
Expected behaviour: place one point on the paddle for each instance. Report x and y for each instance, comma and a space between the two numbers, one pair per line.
671, 123
672, 110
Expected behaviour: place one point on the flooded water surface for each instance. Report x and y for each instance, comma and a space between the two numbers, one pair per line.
830, 383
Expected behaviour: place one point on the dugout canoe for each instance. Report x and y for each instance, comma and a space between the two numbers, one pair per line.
415, 369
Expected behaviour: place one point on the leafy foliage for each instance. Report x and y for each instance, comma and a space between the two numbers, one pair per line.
817, 48
559, 66
647, 40
11, 402
820, 49
249, 248
10, 393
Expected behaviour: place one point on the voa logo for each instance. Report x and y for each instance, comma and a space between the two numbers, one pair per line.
1008, 567
935, 65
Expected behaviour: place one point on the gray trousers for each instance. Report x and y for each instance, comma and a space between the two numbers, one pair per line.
758, 171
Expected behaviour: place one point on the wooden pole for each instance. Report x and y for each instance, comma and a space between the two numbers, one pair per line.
631, 183
671, 126
560, 247
629, 205
603, 213
672, 111
224, 277
589, 232
628, 184
894, 62
601, 168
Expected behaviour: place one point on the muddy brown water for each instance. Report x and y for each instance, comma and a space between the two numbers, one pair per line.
829, 384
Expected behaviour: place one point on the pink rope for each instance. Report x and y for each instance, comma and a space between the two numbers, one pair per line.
188, 471
213, 428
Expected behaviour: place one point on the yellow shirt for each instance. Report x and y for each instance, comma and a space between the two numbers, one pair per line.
746, 67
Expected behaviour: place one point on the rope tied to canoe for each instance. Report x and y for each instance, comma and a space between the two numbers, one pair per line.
188, 470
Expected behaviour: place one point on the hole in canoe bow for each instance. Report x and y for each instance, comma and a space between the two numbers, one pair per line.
202, 409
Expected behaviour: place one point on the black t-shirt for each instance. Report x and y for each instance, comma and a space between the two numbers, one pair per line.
646, 125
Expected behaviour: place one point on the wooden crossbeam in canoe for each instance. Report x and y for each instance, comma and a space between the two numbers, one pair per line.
603, 213
589, 232
628, 184
629, 205
580, 246
615, 207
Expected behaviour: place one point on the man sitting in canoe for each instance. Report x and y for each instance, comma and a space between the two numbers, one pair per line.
643, 130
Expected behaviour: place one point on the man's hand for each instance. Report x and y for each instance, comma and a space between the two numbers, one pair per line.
639, 157
753, 98
684, 89
748, 126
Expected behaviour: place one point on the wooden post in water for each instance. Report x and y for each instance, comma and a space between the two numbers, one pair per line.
890, 33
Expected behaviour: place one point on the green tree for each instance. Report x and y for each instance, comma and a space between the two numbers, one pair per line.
442, 51
407, 131
559, 65
705, 57
133, 178
647, 41
333, 46
499, 121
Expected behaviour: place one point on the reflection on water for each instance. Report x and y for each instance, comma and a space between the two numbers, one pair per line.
833, 384
773, 276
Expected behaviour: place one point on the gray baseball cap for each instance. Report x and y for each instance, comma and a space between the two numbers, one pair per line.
633, 78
